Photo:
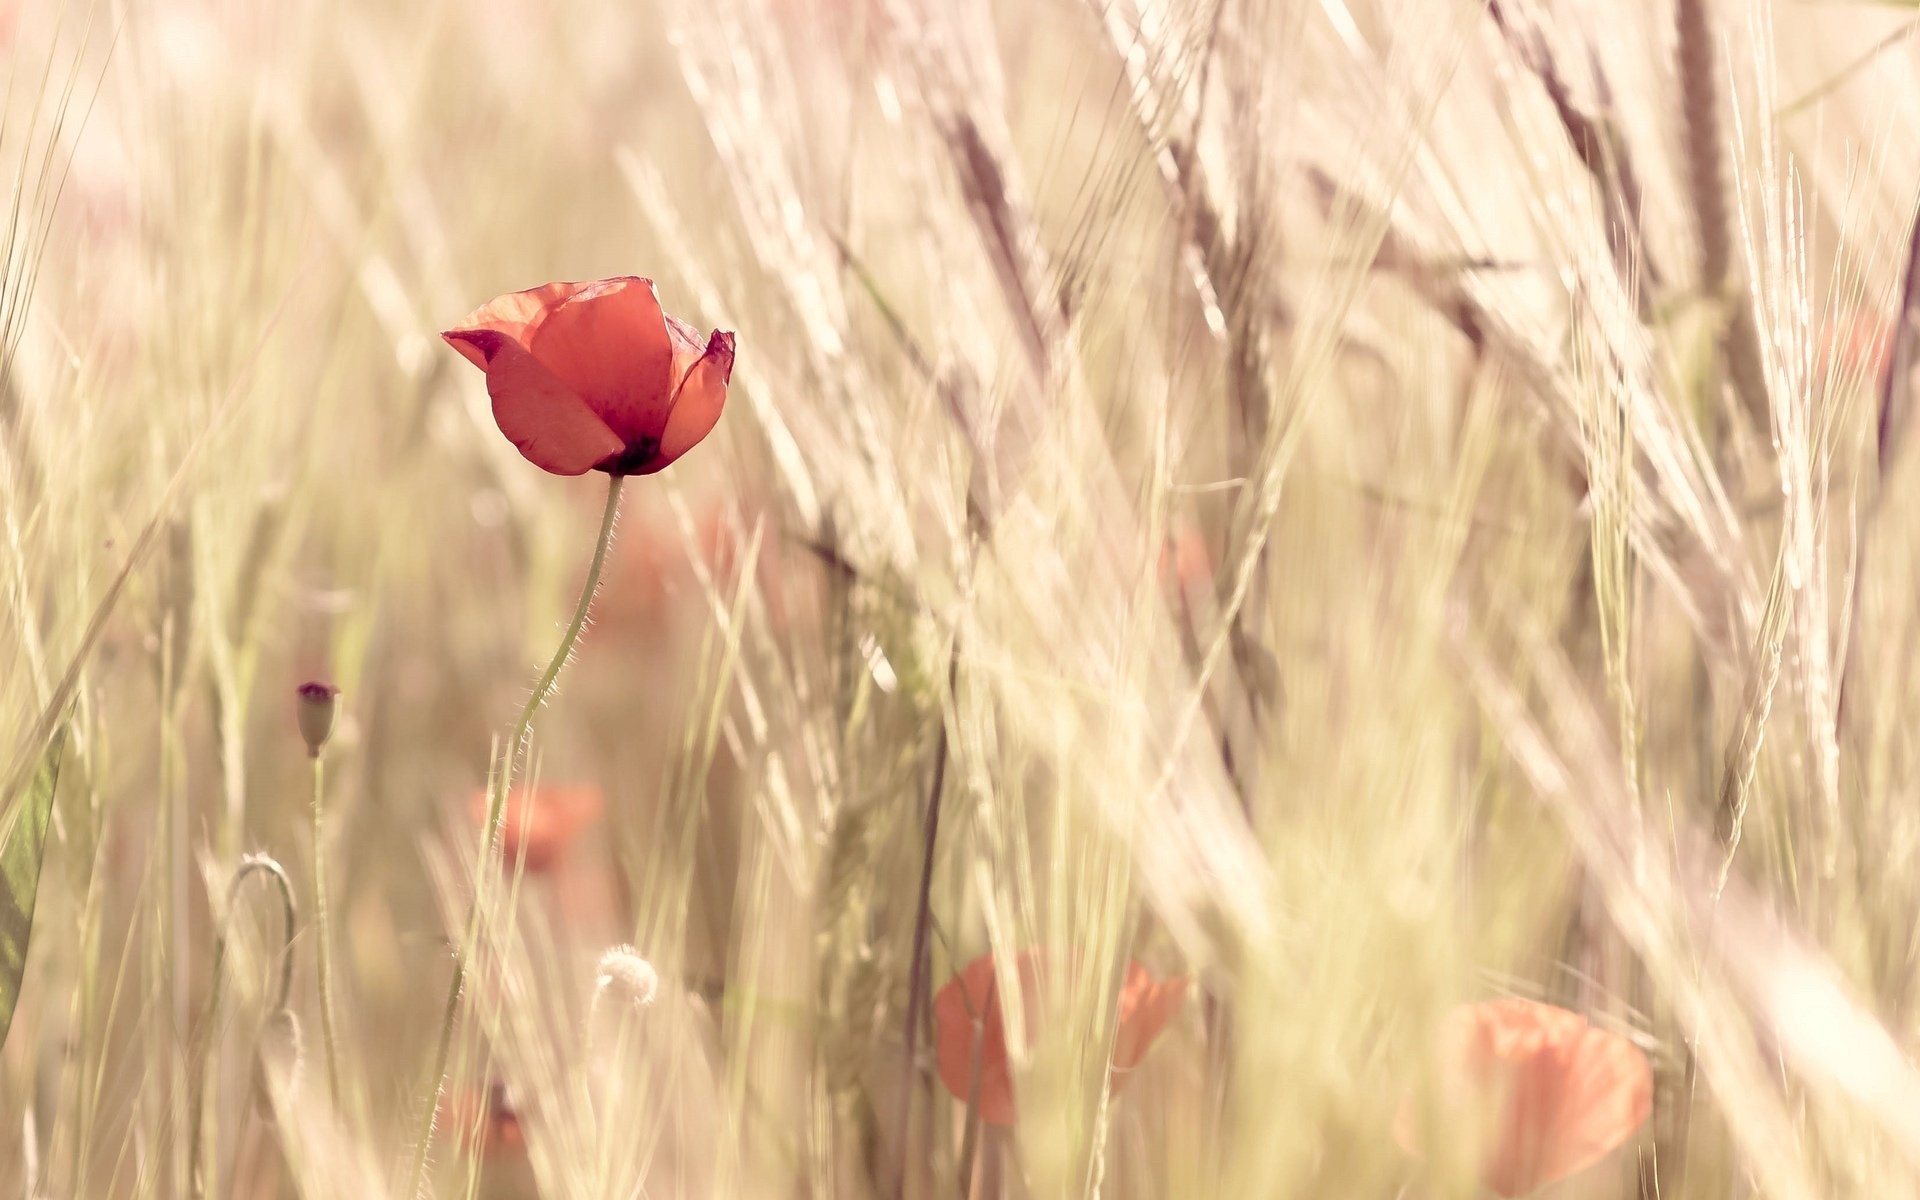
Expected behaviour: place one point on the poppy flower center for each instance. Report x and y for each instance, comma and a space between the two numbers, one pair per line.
632, 459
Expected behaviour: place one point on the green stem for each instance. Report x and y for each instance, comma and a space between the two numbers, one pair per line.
496, 811
323, 942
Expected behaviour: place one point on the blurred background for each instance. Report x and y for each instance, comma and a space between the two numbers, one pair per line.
1362, 505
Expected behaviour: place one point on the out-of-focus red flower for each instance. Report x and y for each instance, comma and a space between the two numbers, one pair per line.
654, 566
1186, 563
543, 820
1147, 1005
595, 376
486, 1122
966, 1015
1856, 343
1558, 1094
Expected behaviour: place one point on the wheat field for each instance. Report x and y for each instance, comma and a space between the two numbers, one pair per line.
1337, 509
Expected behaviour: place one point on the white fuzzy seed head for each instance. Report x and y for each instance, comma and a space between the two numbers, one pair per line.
623, 977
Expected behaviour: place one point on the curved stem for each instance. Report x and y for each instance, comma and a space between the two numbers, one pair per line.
496, 811
323, 943
248, 865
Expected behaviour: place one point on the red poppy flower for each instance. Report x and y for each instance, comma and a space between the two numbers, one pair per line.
544, 820
594, 376
966, 1015
1560, 1094
486, 1122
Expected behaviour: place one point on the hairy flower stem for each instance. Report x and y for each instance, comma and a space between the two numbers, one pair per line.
323, 940
489, 849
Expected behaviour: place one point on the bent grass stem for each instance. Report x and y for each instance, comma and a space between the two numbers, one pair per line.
204, 1036
496, 812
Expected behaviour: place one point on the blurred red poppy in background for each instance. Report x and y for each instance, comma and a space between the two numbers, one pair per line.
486, 1122
1186, 565
1558, 1095
1856, 343
595, 376
543, 820
967, 1015
656, 569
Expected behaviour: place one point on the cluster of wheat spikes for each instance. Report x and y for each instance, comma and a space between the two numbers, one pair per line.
1367, 505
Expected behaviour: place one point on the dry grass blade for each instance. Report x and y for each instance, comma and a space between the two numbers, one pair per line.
22, 850
26, 754
1743, 748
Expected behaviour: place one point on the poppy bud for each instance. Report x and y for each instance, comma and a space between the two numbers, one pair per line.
315, 712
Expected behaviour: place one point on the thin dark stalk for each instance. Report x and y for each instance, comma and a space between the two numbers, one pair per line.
922, 920
970, 1136
993, 1165
1894, 397
1662, 1168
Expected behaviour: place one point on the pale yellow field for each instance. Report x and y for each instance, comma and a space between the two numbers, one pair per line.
1359, 506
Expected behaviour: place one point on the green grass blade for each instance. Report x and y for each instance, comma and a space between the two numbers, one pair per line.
20, 858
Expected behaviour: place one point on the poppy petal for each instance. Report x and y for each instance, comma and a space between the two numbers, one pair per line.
697, 404
1561, 1093
1607, 1096
966, 1015
516, 314
1146, 1006
608, 341
688, 346
540, 822
549, 423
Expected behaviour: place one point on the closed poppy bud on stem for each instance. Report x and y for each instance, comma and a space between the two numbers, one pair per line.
315, 709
